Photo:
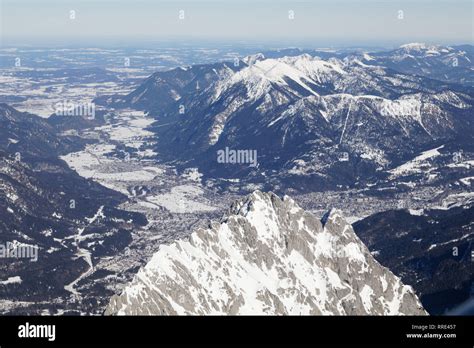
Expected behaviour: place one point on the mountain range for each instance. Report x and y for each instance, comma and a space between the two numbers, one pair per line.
315, 123
267, 256
392, 126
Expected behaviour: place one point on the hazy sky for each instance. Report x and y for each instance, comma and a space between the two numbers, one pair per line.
338, 21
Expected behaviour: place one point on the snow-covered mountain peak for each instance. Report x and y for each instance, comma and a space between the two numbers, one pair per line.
259, 77
424, 49
303, 70
267, 256
418, 46
251, 59
250, 202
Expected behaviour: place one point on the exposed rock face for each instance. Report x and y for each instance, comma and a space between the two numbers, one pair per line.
267, 256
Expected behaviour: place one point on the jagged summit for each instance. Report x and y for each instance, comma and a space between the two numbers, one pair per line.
267, 256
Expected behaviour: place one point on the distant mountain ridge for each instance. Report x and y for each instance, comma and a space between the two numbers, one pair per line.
302, 113
445, 63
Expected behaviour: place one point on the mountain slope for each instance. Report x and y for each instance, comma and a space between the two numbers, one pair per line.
69, 220
267, 256
428, 249
444, 63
